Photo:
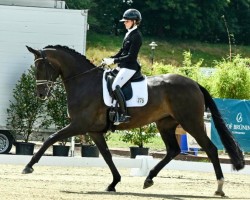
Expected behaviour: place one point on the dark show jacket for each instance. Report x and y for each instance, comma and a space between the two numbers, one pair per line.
127, 55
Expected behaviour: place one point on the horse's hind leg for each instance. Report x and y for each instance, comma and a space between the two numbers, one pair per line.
99, 140
167, 128
199, 133
212, 153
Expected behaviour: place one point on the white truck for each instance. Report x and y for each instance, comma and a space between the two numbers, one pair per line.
36, 24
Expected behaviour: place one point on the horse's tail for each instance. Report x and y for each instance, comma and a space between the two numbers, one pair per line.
230, 144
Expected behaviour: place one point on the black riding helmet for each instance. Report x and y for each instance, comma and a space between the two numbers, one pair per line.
131, 14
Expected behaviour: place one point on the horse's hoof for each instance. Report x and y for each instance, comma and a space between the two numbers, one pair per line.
110, 189
148, 183
27, 170
219, 193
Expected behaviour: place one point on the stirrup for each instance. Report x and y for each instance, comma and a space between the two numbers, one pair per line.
122, 119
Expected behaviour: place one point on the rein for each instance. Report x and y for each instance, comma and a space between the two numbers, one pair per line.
81, 74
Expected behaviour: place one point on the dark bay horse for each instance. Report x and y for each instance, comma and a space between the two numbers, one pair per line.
173, 100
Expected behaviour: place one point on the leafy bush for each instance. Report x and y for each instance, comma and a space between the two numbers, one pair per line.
232, 79
160, 68
189, 69
56, 109
26, 108
86, 139
140, 136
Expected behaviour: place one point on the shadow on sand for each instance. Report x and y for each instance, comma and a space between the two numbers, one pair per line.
157, 196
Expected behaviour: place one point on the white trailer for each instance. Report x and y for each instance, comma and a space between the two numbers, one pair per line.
36, 24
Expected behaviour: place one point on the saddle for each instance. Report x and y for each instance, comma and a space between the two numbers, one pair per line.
127, 88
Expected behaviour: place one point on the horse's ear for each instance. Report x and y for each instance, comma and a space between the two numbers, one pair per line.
35, 52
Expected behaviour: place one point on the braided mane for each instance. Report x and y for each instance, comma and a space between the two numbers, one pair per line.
80, 58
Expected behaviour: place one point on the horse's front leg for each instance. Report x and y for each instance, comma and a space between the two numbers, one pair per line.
99, 140
60, 135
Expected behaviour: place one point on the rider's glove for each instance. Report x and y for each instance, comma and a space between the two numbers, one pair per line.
108, 61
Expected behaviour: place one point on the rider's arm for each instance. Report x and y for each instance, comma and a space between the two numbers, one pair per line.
132, 46
118, 54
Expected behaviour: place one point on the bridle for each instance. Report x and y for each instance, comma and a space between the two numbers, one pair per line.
49, 82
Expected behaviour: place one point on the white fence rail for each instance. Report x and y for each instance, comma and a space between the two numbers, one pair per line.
139, 166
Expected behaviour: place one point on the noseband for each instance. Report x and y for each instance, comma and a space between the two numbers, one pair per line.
48, 81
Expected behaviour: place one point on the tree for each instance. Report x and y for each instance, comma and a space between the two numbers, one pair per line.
238, 15
85, 4
178, 19
103, 15
26, 108
56, 109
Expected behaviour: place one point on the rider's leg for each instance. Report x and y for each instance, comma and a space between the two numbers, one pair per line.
122, 77
123, 117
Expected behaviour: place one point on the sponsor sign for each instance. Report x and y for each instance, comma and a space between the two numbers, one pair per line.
236, 114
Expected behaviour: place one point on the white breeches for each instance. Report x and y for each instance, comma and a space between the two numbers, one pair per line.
122, 77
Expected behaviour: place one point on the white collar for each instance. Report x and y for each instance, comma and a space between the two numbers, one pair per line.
135, 27
130, 30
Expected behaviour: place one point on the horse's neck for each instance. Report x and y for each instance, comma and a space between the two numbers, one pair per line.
83, 86
68, 65
78, 74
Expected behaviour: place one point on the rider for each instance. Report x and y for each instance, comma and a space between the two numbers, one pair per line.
126, 58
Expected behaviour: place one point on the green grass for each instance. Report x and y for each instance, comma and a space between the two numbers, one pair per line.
167, 52
114, 141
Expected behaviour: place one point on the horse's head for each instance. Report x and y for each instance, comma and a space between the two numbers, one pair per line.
46, 73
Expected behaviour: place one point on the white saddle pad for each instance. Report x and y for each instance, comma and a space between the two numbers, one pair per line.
140, 93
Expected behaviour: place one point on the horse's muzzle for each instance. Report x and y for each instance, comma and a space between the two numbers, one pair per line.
41, 96
43, 92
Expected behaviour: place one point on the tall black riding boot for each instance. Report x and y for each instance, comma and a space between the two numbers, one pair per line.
123, 117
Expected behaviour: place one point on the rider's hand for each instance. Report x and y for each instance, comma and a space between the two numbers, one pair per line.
108, 61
